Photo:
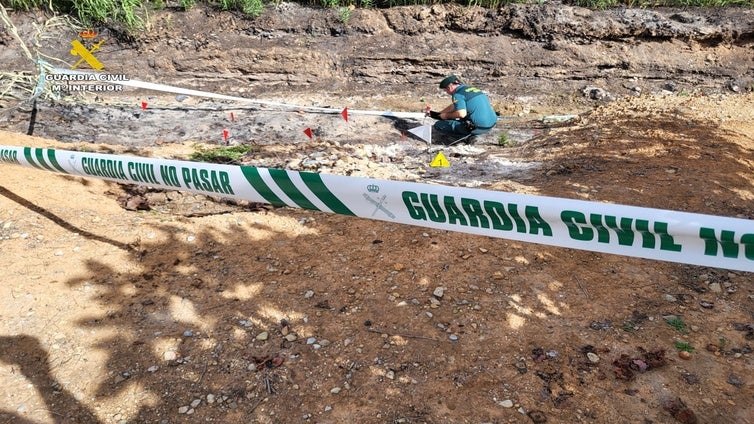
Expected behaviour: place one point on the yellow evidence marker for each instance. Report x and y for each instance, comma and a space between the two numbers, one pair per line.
440, 161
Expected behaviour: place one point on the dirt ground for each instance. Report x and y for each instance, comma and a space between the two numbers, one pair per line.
195, 309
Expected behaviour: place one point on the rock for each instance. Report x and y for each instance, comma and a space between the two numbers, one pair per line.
678, 409
439, 292
263, 336
507, 403
596, 93
735, 381
537, 417
683, 17
593, 357
669, 298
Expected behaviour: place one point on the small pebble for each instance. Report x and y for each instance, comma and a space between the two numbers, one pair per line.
507, 403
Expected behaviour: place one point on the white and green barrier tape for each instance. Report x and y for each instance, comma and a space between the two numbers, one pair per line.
681, 237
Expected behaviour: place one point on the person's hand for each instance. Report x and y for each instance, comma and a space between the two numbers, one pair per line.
434, 115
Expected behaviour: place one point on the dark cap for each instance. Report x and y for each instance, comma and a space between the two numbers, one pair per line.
450, 79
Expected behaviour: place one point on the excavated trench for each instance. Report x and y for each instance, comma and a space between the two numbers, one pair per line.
533, 60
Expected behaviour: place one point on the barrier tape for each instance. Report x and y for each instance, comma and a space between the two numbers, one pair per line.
681, 237
88, 76
94, 77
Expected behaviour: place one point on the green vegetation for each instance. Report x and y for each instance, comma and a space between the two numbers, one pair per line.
629, 327
187, 4
683, 346
344, 13
222, 154
678, 324
133, 14
607, 4
505, 141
